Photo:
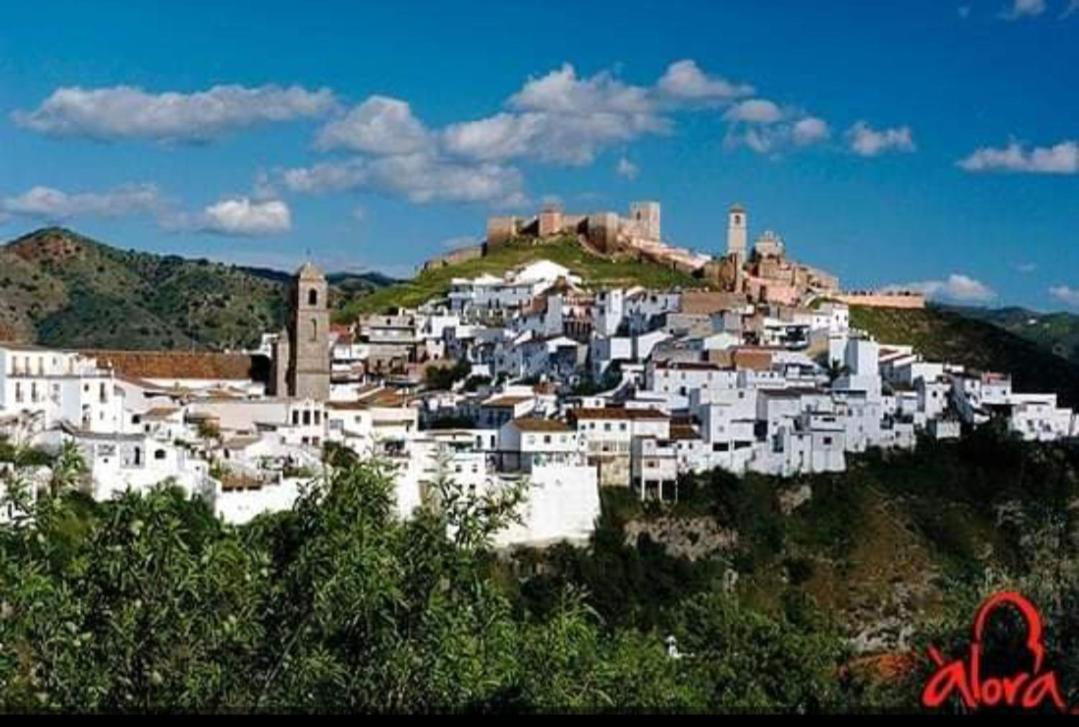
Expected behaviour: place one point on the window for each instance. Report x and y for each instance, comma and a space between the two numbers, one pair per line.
159, 454
827, 441
314, 329
312, 297
307, 418
295, 418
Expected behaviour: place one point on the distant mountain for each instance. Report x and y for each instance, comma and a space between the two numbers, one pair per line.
1056, 332
60, 288
945, 334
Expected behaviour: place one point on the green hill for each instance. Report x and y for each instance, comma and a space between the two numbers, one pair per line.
60, 288
945, 335
1057, 332
596, 271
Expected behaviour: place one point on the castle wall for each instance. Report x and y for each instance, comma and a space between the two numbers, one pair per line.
603, 231
453, 257
501, 230
882, 300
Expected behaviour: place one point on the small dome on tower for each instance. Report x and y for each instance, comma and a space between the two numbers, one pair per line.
738, 207
309, 271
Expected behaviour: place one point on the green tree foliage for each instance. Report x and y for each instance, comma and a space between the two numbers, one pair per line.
151, 603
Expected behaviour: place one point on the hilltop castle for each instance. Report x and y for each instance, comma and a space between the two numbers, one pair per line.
762, 272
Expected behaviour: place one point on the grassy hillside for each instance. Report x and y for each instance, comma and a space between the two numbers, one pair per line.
1056, 332
60, 288
595, 270
945, 335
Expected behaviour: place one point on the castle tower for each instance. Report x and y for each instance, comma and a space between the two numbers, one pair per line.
309, 335
646, 215
550, 220
737, 231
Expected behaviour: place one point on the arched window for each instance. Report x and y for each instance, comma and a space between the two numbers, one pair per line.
159, 454
312, 297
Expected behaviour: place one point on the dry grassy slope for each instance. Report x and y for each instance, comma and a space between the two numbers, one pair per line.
945, 335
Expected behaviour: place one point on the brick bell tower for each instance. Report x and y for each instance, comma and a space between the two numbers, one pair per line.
309, 335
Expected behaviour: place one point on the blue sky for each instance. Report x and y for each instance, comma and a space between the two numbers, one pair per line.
930, 142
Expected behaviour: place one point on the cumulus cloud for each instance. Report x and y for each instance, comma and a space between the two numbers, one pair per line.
869, 142
626, 169
810, 130
380, 125
685, 81
569, 139
234, 217
128, 112
957, 288
1066, 294
1062, 158
766, 128
562, 91
50, 204
419, 177
1023, 9
754, 111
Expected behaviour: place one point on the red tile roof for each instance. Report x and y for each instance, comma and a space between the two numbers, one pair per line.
183, 365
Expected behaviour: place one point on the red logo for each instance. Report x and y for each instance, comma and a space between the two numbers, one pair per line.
1025, 690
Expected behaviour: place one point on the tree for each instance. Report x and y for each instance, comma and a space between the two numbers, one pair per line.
68, 469
836, 370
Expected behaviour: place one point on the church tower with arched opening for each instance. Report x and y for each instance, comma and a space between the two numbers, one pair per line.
308, 375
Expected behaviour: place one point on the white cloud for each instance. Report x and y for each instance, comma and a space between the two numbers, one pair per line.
626, 169
419, 177
810, 130
380, 125
1065, 294
685, 81
957, 288
1025, 268
1073, 7
869, 142
244, 217
48, 203
1062, 158
564, 118
327, 177
754, 111
127, 112
562, 91
1023, 9
767, 129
